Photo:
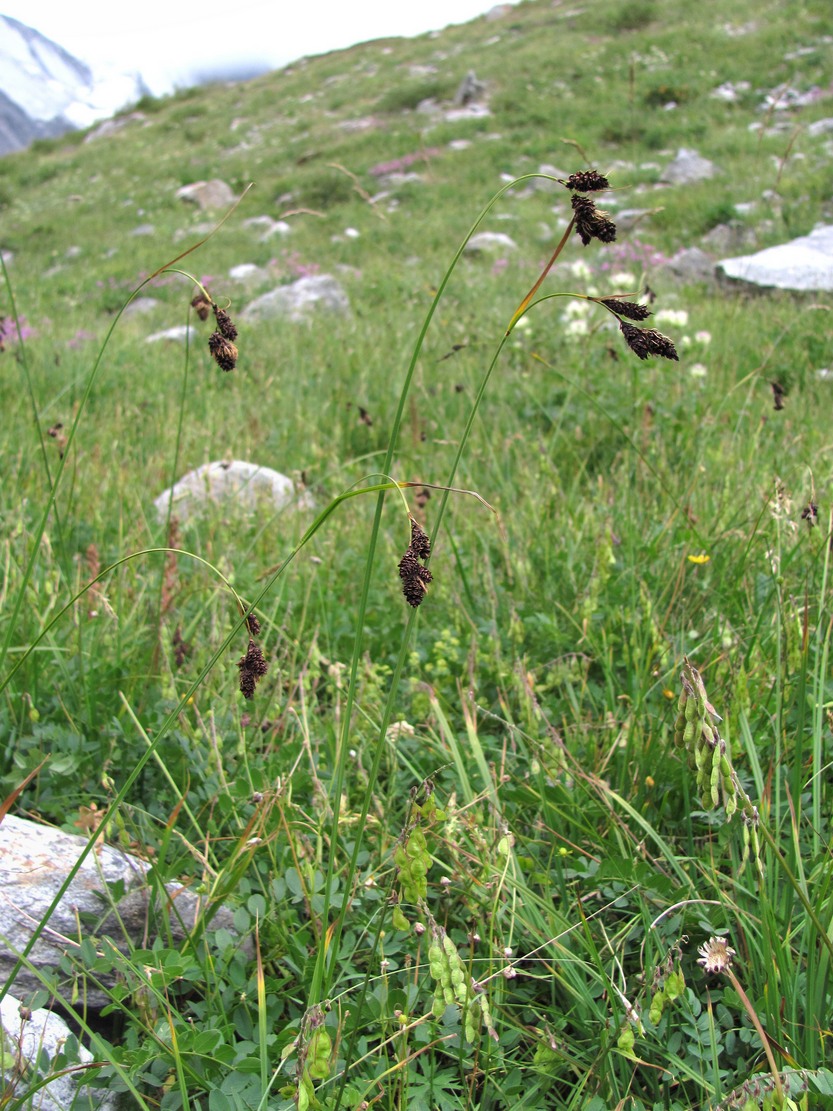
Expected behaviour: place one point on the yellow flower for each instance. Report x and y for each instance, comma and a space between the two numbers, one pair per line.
702, 558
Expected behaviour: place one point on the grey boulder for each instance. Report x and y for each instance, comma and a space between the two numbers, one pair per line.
26, 1037
688, 167
34, 862
296, 301
208, 195
804, 264
233, 483
490, 241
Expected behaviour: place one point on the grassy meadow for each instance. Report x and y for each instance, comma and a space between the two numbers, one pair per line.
479, 851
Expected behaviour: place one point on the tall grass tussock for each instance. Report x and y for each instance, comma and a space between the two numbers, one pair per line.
507, 748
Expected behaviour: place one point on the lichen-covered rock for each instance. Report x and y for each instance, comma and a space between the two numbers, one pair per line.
297, 300
235, 483
28, 1038
804, 265
35, 861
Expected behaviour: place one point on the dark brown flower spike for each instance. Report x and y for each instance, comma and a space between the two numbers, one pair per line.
625, 308
591, 223
647, 341
222, 351
252, 668
253, 625
810, 514
778, 395
201, 305
587, 181
225, 325
415, 578
420, 543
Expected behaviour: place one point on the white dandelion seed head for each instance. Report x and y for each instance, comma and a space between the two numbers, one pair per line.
716, 955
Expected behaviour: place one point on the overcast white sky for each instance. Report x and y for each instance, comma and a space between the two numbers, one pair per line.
166, 40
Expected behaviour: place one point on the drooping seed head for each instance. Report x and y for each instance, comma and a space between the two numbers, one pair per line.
627, 309
587, 181
201, 305
591, 223
222, 351
252, 668
225, 325
647, 341
420, 542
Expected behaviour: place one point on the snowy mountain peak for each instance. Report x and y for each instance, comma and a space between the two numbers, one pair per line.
45, 91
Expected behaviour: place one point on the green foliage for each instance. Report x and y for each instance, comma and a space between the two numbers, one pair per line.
636, 15
457, 842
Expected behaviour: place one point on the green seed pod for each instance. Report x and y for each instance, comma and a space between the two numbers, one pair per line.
399, 857
470, 1031
674, 985
730, 805
445, 976
449, 996
406, 874
318, 1054
438, 1006
450, 947
625, 1041
398, 919
706, 800
691, 713
435, 953
461, 993
458, 976
688, 733
416, 842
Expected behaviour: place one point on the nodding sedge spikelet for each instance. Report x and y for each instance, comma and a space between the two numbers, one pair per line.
627, 309
225, 325
252, 669
201, 305
420, 543
647, 341
415, 578
586, 181
591, 223
223, 351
